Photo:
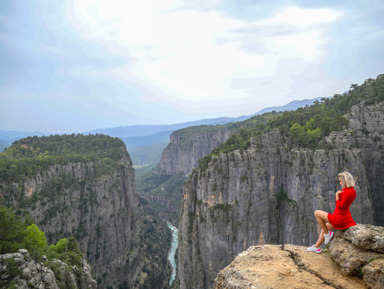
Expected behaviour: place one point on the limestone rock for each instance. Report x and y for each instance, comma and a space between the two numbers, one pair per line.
358, 251
366, 237
289, 266
36, 275
182, 152
374, 274
350, 257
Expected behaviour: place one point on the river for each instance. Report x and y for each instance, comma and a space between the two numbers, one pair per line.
171, 256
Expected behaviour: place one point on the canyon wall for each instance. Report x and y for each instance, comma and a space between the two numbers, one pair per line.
268, 193
185, 149
103, 212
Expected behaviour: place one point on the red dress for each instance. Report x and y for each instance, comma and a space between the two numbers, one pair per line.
341, 218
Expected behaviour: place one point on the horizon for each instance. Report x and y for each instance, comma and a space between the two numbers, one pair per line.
148, 124
76, 66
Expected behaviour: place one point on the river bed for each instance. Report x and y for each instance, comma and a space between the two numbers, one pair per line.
171, 256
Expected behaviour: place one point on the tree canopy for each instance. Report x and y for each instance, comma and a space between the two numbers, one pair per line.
30, 155
306, 126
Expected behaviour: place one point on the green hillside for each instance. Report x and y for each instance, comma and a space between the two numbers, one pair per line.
30, 155
308, 126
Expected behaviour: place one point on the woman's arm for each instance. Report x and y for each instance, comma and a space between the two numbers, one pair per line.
345, 201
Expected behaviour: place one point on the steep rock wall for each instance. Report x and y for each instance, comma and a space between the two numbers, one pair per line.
182, 152
100, 209
268, 193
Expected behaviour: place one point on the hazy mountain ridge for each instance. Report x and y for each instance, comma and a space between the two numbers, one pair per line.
143, 136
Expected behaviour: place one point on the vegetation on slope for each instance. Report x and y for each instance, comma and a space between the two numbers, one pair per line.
30, 155
164, 192
308, 126
255, 122
16, 234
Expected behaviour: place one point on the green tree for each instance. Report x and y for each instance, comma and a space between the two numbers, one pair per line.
36, 237
298, 133
12, 231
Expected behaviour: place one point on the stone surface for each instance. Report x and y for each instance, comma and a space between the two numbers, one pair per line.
289, 266
358, 251
268, 193
182, 152
36, 275
350, 257
366, 237
374, 274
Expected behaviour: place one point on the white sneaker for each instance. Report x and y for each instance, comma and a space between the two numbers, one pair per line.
328, 237
314, 249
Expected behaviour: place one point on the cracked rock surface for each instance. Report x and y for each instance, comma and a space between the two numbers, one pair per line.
284, 266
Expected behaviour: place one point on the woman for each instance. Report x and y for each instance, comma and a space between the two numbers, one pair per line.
341, 218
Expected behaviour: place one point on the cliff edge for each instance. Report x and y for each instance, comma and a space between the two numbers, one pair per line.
355, 260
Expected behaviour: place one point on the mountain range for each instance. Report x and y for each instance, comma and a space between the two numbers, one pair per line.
142, 138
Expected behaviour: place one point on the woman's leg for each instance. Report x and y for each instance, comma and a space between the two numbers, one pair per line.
322, 219
321, 236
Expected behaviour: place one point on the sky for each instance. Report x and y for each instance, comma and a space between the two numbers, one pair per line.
77, 65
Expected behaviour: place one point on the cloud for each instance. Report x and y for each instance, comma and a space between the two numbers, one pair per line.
189, 55
98, 63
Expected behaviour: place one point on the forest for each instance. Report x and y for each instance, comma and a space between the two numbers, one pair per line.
307, 127
30, 155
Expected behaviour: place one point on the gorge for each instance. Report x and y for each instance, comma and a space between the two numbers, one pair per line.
239, 185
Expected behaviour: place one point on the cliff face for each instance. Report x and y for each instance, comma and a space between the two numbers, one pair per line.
268, 193
101, 210
182, 152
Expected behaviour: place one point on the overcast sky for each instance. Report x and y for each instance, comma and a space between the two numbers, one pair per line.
77, 65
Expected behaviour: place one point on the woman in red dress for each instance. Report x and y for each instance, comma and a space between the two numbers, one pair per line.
341, 218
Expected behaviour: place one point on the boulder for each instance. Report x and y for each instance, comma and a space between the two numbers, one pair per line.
350, 257
284, 266
366, 237
36, 275
359, 250
374, 274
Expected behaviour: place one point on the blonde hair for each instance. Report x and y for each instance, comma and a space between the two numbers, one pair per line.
347, 179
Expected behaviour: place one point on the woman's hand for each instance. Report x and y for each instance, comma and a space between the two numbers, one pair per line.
338, 195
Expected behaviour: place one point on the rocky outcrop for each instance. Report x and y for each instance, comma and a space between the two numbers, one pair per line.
284, 266
185, 149
24, 272
359, 250
268, 193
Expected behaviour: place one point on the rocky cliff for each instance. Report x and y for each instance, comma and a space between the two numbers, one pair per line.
268, 193
355, 259
185, 149
98, 205
21, 271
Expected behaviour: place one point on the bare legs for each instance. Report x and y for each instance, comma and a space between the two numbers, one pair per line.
321, 236
322, 219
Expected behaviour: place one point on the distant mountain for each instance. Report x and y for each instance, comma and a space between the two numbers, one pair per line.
8, 137
138, 136
293, 105
140, 141
149, 129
